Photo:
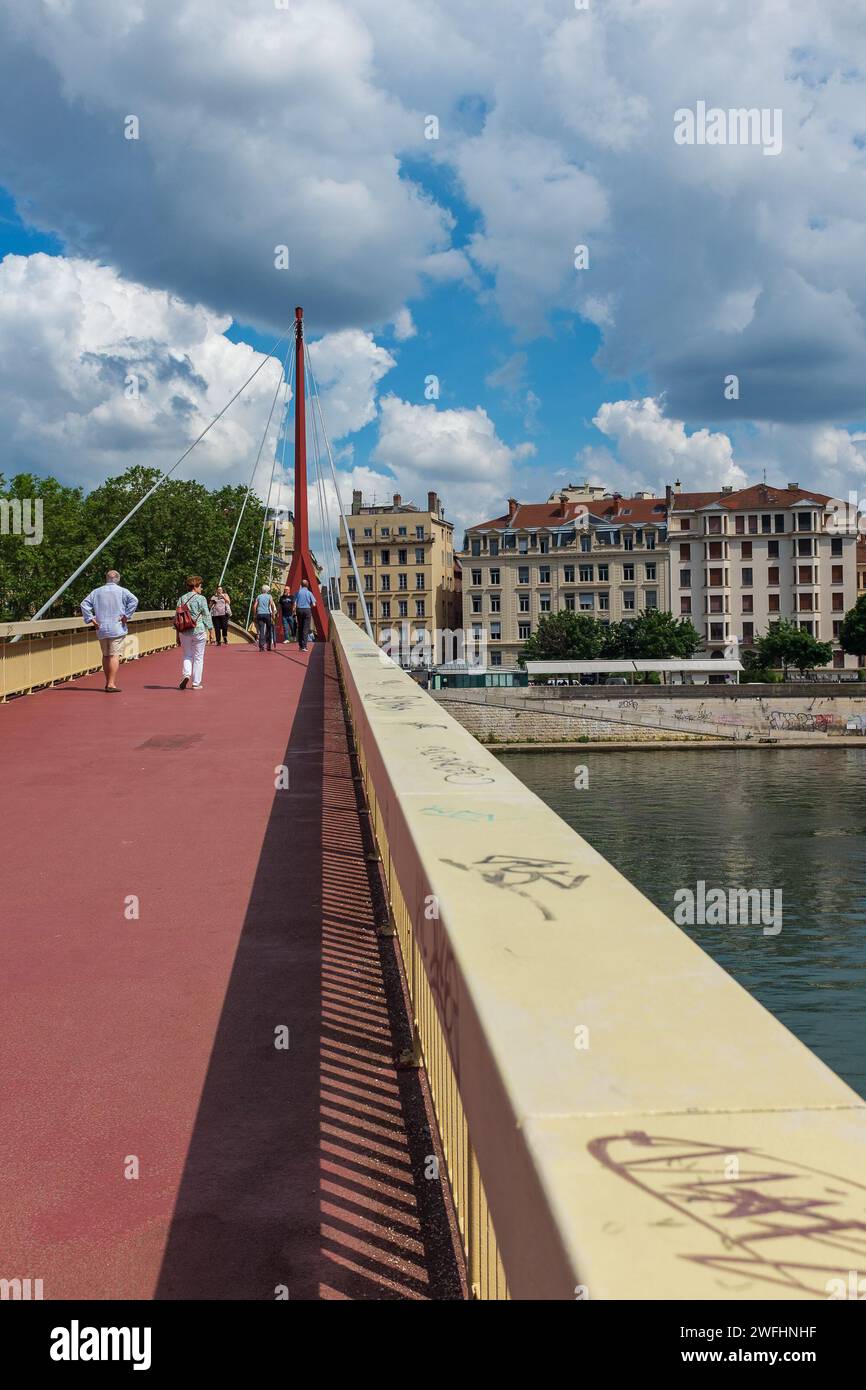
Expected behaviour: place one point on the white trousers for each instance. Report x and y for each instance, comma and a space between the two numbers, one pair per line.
192, 645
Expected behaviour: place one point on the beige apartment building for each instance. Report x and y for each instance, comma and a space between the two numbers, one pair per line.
405, 559
741, 560
583, 549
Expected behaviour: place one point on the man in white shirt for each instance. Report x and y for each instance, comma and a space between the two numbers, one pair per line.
108, 609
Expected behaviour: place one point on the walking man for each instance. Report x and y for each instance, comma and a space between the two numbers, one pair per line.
193, 640
304, 605
266, 614
287, 613
108, 609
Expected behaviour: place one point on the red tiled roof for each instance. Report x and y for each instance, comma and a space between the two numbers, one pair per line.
746, 498
532, 516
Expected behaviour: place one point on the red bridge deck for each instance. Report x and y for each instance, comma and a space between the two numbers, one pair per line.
146, 1042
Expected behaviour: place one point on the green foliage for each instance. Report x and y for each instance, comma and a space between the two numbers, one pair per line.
569, 636
786, 645
184, 528
852, 634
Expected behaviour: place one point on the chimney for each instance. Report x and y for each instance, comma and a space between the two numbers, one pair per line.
433, 503
397, 499
513, 504
669, 495
793, 487
356, 503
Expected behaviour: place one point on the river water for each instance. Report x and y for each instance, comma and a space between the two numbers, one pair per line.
793, 820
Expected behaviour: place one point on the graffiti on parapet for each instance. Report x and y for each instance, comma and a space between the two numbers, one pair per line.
766, 1219
472, 816
516, 873
628, 704
802, 720
457, 770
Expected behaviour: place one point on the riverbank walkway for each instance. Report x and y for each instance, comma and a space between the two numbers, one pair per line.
200, 1095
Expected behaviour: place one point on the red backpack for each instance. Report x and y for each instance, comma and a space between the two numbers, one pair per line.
183, 619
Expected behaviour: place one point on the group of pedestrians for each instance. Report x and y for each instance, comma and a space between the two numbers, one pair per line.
197, 622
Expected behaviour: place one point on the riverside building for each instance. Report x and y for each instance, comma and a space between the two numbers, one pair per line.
405, 559
583, 549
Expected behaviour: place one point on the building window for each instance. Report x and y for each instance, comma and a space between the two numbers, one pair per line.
838, 659
714, 550
685, 523
386, 581
419, 608
544, 574
772, 603
523, 574
651, 598
402, 581
368, 583
352, 532
402, 608
628, 600
495, 632
386, 610
773, 574
475, 547
650, 540
717, 604
836, 576
766, 524
685, 603
476, 577
495, 603
651, 571
368, 557
385, 557
586, 602
353, 610
837, 628
494, 545
402, 557
804, 521
628, 573
569, 602
604, 602
523, 631
714, 525
544, 603
386, 530
368, 532
804, 574
773, 550
748, 632
353, 587
685, 553
717, 632
419, 555
523, 603
602, 574
495, 658
747, 579
476, 603
401, 530
838, 603
804, 603
836, 546
740, 525
627, 540
716, 578
586, 572
748, 603
568, 574
746, 550
419, 582
494, 576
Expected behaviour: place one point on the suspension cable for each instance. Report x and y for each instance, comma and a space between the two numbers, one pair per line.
349, 545
258, 456
264, 524
140, 503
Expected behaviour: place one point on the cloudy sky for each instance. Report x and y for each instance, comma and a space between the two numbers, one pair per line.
431, 166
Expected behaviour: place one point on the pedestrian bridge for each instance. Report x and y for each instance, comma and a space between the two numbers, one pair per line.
306, 996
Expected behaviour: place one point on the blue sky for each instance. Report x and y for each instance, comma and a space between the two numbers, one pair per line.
143, 269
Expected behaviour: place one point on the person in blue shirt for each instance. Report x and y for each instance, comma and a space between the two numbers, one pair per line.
109, 609
266, 613
304, 605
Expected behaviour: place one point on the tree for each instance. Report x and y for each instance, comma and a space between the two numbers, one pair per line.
852, 634
656, 634
183, 528
786, 645
564, 636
